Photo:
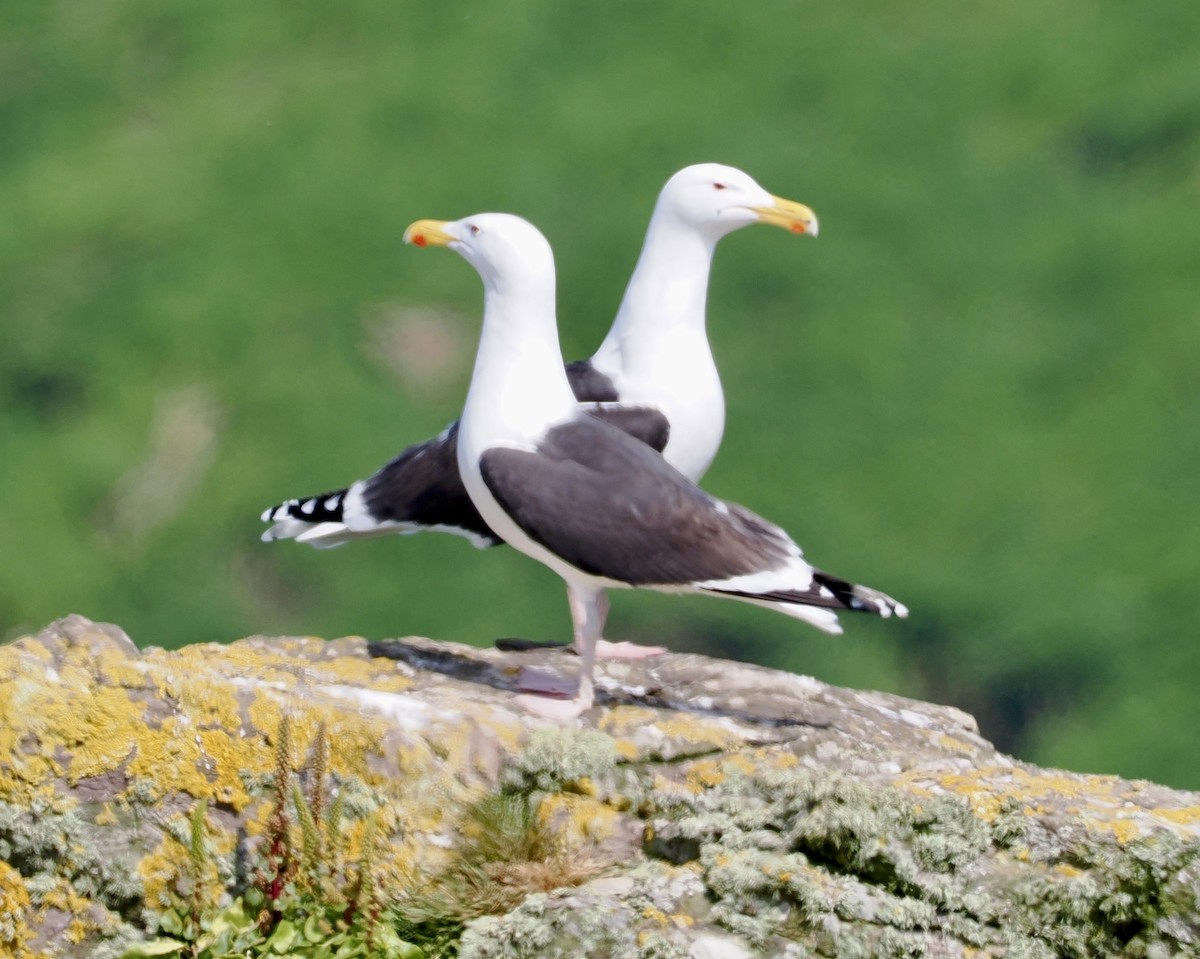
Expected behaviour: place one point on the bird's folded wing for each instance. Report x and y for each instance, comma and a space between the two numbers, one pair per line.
612, 507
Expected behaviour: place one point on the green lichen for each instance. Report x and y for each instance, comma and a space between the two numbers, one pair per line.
159, 797
15, 905
54, 852
556, 758
1105, 899
535, 931
849, 869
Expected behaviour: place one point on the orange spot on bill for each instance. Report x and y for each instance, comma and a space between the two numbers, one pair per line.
797, 227
419, 239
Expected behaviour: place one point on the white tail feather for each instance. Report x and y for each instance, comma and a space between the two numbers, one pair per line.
824, 619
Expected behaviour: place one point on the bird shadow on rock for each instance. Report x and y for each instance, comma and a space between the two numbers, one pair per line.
691, 683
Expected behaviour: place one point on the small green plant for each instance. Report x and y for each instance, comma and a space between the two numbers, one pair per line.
308, 898
508, 851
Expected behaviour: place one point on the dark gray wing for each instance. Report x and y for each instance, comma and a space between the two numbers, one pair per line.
644, 423
423, 486
612, 507
590, 385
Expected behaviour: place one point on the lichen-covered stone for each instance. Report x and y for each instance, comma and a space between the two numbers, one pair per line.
731, 811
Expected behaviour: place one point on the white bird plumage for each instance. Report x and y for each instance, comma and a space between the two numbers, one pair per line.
571, 492
656, 358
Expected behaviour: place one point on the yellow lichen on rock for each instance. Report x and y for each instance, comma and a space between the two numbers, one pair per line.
106, 817
781, 808
655, 915
990, 788
1123, 830
706, 773
247, 658
87, 716
72, 730
1185, 816
208, 701
202, 763
85, 919
381, 675
112, 667
14, 913
954, 744
1105, 804
579, 820
699, 732
626, 749
642, 733
159, 869
621, 718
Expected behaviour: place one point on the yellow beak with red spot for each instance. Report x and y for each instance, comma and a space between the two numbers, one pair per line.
428, 233
788, 215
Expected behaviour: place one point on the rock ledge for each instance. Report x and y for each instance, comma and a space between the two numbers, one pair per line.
731, 810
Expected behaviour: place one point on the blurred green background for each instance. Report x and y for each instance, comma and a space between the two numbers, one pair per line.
977, 389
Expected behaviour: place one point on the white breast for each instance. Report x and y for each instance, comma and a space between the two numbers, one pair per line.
677, 375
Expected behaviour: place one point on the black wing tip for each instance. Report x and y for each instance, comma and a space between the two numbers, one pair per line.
831, 592
322, 508
862, 599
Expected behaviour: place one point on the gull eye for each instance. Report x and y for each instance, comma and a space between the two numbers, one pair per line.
720, 186
474, 230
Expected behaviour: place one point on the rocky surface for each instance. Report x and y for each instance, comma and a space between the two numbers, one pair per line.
712, 810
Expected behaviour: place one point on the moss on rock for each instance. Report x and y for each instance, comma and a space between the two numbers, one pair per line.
734, 812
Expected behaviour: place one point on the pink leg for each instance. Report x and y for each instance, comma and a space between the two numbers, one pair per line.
607, 650
626, 650
587, 616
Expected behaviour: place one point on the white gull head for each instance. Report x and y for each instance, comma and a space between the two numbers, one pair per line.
507, 251
717, 199
519, 385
